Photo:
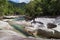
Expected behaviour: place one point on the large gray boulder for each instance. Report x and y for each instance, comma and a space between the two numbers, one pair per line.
49, 33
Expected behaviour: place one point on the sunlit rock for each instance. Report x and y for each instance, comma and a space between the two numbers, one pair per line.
5, 25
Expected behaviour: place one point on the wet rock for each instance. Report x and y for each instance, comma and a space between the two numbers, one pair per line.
51, 25
44, 33
36, 22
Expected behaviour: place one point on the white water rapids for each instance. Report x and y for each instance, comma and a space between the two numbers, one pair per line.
45, 21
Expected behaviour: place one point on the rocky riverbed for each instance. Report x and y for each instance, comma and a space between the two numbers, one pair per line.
45, 27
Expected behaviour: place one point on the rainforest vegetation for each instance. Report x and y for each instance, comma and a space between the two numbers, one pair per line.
33, 8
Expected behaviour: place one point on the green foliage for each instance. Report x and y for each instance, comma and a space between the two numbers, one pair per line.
16, 7
10, 8
3, 7
34, 8
43, 8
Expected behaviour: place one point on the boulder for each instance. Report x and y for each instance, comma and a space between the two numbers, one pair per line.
9, 35
51, 25
5, 25
45, 33
9, 17
49, 28
48, 33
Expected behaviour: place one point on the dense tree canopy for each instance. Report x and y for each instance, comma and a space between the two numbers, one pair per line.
3, 7
43, 8
10, 8
34, 8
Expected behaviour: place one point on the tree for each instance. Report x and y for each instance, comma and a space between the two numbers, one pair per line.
9, 8
43, 8
3, 6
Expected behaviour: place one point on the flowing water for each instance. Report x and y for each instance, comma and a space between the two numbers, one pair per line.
45, 21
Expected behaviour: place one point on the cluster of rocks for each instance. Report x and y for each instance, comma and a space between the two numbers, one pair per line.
46, 27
